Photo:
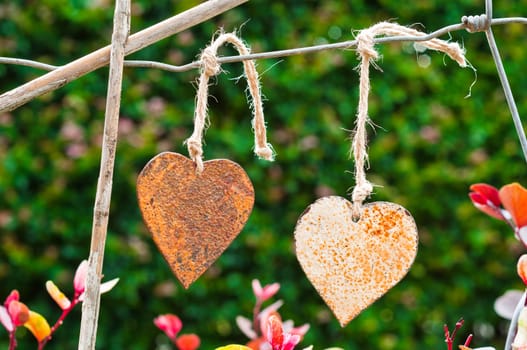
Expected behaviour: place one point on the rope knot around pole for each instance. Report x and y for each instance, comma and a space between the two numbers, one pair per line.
209, 62
365, 45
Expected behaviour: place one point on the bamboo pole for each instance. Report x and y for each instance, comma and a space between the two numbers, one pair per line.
55, 79
90, 306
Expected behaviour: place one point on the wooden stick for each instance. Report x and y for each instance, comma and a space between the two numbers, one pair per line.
97, 59
90, 306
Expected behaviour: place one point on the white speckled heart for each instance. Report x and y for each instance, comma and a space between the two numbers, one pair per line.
352, 264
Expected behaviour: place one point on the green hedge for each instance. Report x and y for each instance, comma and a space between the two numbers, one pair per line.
431, 144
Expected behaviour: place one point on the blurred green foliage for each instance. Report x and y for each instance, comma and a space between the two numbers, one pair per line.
431, 144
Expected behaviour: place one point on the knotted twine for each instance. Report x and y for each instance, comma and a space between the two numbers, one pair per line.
209, 68
367, 54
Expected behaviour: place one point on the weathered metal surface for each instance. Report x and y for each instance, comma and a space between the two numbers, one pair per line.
352, 264
193, 218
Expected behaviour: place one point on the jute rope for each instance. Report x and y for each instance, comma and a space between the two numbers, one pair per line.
209, 68
367, 54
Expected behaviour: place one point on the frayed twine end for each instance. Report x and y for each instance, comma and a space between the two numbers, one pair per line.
457, 53
266, 153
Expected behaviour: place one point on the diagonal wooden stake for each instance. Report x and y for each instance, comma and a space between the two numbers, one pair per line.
53, 80
90, 306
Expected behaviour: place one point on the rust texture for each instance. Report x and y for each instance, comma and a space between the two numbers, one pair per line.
193, 218
352, 264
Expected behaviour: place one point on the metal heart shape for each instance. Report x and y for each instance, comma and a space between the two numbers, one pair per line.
193, 218
352, 264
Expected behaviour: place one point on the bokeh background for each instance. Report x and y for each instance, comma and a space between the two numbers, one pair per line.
431, 143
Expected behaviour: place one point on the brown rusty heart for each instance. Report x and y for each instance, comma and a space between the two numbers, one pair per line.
352, 264
193, 217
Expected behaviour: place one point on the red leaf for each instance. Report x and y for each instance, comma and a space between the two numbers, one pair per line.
188, 342
275, 332
488, 192
486, 198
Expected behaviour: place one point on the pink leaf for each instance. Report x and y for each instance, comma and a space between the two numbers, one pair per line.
265, 293
257, 288
14, 295
170, 324
506, 304
79, 281
290, 341
246, 326
301, 331
5, 319
272, 308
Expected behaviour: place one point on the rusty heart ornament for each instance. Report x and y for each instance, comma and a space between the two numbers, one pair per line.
195, 209
352, 264
193, 217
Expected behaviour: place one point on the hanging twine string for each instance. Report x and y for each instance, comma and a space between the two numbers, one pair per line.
368, 55
209, 68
